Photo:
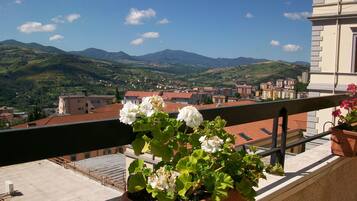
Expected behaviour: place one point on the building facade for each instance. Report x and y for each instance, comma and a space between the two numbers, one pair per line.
333, 55
244, 90
82, 104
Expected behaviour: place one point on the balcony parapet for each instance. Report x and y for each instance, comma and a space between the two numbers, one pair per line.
313, 175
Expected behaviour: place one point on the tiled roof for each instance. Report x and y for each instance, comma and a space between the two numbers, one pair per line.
256, 130
165, 95
259, 130
171, 95
140, 94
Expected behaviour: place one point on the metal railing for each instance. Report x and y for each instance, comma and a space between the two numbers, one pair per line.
24, 145
105, 180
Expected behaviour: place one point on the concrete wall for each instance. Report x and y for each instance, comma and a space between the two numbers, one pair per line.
336, 183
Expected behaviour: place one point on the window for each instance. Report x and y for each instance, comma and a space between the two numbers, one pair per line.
245, 136
354, 53
73, 157
87, 155
107, 151
266, 131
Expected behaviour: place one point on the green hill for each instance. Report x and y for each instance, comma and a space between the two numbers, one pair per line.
252, 74
34, 74
29, 76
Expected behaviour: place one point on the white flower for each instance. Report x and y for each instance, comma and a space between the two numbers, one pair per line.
151, 104
157, 102
146, 108
163, 180
211, 144
191, 116
129, 113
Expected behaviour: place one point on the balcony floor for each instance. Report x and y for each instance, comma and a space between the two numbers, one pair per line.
44, 180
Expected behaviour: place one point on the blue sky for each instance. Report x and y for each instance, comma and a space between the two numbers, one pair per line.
272, 29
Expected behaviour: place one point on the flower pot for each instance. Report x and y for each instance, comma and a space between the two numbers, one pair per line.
233, 195
343, 142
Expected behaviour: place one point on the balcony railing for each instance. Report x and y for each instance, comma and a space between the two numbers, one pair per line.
25, 145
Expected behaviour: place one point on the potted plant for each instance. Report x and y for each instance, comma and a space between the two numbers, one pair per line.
198, 159
344, 136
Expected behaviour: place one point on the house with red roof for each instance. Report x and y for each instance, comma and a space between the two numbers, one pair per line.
176, 97
254, 133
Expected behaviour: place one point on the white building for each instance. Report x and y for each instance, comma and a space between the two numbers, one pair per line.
333, 55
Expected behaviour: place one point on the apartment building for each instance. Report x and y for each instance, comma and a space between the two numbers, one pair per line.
82, 104
175, 97
333, 55
245, 90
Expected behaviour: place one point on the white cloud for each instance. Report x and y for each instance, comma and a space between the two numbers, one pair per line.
58, 19
163, 21
69, 18
73, 17
30, 27
151, 35
136, 16
297, 15
249, 15
137, 41
56, 37
291, 48
274, 43
18, 1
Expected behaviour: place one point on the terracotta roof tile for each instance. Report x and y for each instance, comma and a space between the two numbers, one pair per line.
256, 130
171, 95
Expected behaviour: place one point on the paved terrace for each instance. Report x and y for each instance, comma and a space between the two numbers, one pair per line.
44, 180
108, 166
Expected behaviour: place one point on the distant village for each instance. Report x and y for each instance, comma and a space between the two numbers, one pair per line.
84, 103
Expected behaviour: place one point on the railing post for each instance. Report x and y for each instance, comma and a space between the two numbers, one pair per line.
284, 132
274, 138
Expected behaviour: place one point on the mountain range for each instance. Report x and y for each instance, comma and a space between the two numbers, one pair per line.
164, 58
31, 73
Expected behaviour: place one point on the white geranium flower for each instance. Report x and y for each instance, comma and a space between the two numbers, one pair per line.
191, 116
146, 107
151, 104
211, 144
163, 180
129, 113
156, 101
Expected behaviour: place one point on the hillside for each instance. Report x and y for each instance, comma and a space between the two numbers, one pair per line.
104, 55
168, 58
34, 74
29, 76
252, 74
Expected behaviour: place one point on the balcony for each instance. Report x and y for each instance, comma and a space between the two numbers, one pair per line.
312, 175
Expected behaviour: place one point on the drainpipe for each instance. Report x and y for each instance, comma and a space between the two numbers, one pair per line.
337, 57
338, 39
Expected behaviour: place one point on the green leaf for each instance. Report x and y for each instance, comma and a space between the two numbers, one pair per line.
141, 125
223, 182
183, 184
161, 150
136, 182
136, 166
138, 145
163, 196
200, 154
186, 164
245, 189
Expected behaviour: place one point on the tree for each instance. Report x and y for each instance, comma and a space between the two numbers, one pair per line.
35, 114
118, 97
238, 95
207, 100
301, 87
